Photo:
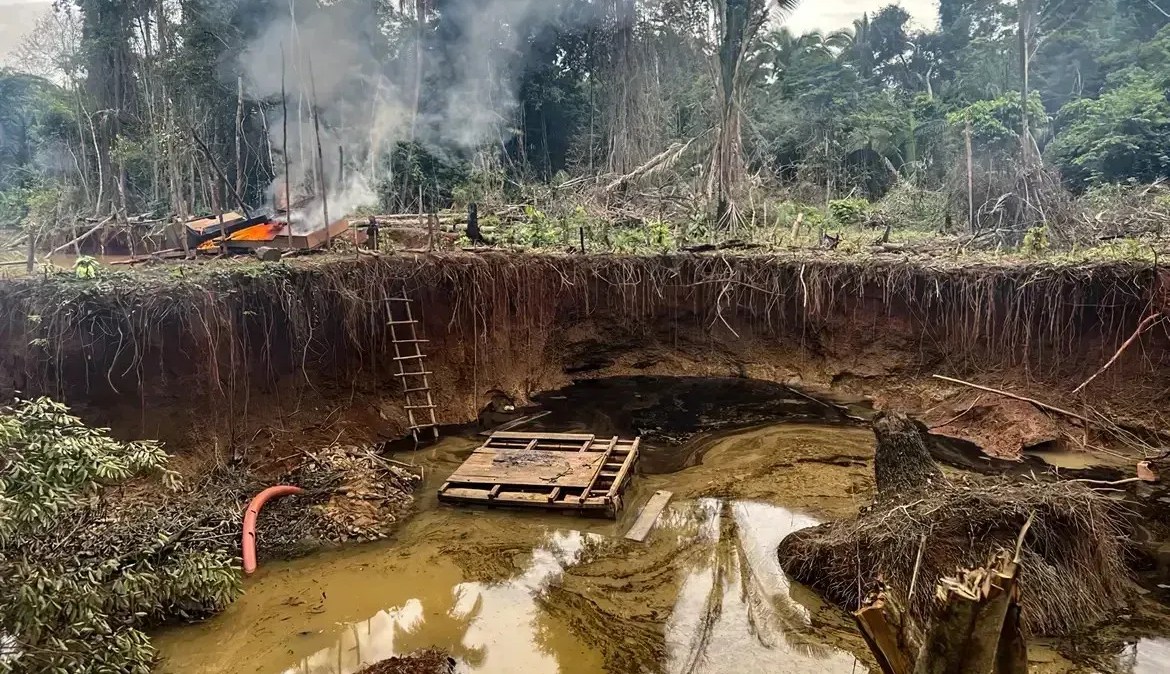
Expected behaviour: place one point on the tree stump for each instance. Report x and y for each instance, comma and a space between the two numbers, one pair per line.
901, 462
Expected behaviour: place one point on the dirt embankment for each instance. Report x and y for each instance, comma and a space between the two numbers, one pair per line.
257, 361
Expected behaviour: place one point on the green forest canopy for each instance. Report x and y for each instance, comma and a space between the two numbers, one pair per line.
445, 98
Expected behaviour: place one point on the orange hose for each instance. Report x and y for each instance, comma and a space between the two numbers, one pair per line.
250, 521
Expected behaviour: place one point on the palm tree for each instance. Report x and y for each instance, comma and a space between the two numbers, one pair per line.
738, 23
854, 46
782, 49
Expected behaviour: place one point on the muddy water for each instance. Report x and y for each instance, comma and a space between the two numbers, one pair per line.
1147, 656
512, 591
509, 591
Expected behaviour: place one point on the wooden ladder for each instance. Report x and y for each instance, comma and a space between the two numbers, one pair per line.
412, 370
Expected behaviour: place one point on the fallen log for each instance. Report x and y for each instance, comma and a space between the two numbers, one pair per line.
81, 238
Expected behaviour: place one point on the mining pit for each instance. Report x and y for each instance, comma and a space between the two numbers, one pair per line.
750, 380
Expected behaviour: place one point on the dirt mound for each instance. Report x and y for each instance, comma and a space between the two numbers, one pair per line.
423, 662
1001, 427
1073, 576
351, 495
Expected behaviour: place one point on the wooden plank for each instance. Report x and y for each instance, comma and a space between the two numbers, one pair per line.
530, 499
516, 422
544, 447
494, 492
529, 468
578, 437
596, 473
649, 516
555, 493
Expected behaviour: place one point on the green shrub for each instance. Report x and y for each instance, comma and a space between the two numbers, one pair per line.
847, 212
80, 585
1035, 241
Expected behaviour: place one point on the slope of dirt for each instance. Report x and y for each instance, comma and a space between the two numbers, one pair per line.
247, 359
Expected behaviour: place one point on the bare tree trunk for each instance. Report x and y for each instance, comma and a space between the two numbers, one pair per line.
284, 149
420, 11
970, 178
320, 153
240, 134
83, 161
97, 153
1027, 18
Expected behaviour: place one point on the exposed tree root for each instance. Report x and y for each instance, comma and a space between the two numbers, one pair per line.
222, 331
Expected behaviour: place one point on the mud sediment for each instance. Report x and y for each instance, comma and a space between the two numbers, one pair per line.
425, 662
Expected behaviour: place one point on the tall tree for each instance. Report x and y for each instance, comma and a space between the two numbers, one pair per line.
738, 25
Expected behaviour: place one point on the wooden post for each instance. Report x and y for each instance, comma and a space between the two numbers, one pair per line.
30, 261
581, 231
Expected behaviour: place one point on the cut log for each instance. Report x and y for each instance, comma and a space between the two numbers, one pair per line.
966, 637
977, 629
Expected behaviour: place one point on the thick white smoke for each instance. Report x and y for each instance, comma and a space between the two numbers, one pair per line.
366, 98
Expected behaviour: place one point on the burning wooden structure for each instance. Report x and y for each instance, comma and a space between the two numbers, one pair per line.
553, 471
269, 232
200, 230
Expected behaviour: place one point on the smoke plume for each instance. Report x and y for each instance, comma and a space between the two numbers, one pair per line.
360, 68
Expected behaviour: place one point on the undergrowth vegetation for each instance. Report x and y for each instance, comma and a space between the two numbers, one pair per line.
81, 583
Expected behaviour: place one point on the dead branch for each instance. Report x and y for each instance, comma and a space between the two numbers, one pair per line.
81, 238
1149, 322
1037, 403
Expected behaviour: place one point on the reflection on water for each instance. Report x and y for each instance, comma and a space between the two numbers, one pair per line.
732, 606
502, 591
495, 625
736, 607
1147, 656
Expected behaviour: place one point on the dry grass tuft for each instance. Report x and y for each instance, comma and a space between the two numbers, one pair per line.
1073, 561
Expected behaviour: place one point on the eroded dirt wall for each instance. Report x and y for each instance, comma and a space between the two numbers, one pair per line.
231, 353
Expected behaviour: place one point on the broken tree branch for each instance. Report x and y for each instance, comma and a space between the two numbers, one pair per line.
81, 238
1149, 322
1037, 403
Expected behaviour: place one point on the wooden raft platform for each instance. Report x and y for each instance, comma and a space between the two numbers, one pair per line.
554, 471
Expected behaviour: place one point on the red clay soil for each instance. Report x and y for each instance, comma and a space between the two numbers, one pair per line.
1001, 427
422, 662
